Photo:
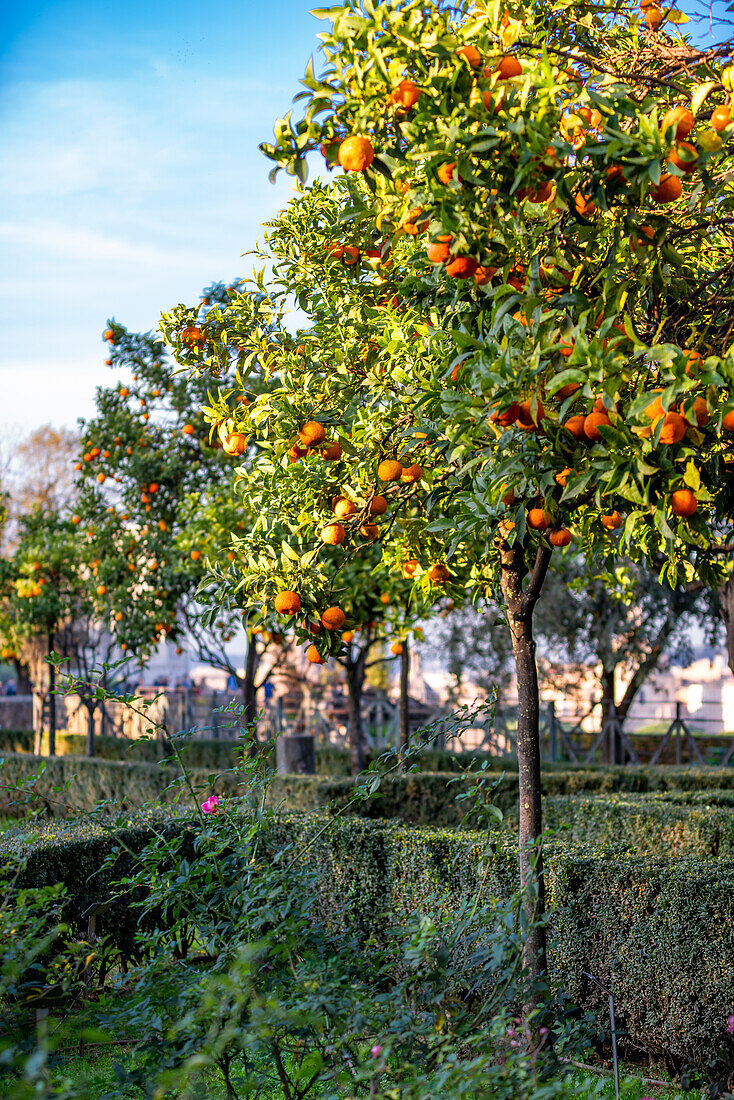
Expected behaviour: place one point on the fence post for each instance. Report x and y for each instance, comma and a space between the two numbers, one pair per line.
552, 740
215, 716
678, 755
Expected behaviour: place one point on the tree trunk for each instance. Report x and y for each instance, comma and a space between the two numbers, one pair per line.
249, 691
520, 607
90, 749
22, 678
51, 699
404, 698
355, 682
611, 748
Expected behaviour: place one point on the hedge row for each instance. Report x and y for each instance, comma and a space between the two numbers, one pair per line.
660, 931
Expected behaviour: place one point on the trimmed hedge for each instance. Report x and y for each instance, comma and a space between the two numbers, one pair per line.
660, 931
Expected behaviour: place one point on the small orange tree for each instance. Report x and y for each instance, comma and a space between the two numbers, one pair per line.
534, 226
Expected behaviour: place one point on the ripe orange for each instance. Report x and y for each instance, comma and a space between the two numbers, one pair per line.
728, 421
356, 154
525, 418
118, 616
348, 636
231, 555
471, 55
188, 429
643, 238
333, 618
538, 519
669, 189
653, 18
108, 335
673, 429
684, 156
396, 648
561, 537
287, 603
315, 628
101, 589
438, 573
389, 470
333, 534
683, 502
193, 337
295, 452
542, 193
312, 434
700, 412
507, 416
681, 119
484, 275
411, 473
195, 555
378, 506
101, 478
439, 251
612, 522
76, 519
446, 172
507, 67
592, 423
693, 358
562, 476
575, 425
720, 118
344, 508
410, 568
406, 94
124, 391
369, 530
331, 451
461, 267
235, 444
313, 656
584, 206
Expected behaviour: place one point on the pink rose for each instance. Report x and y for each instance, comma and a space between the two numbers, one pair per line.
211, 806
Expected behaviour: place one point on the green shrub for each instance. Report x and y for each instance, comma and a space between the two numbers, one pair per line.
16, 741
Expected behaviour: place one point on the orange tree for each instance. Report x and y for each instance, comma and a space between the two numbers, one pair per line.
154, 481
534, 226
554, 184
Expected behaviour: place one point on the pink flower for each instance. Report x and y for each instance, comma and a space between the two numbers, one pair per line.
376, 1051
730, 1025
211, 806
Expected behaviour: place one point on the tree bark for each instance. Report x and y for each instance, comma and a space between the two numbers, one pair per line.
90, 747
404, 705
249, 691
22, 678
520, 606
355, 683
610, 750
51, 699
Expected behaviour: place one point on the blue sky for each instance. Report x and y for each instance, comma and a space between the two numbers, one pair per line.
130, 174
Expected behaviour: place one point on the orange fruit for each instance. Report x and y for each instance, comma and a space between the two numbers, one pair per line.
612, 522
438, 573
693, 358
333, 618
561, 537
525, 418
410, 568
643, 238
76, 519
439, 251
124, 391
315, 628
195, 555
446, 172
313, 656
231, 555
101, 589
575, 425
684, 156
188, 429
507, 67
331, 452
720, 118
235, 444
101, 478
312, 434
507, 416
389, 470
412, 473
568, 390
369, 530
385, 598
673, 429
461, 267
653, 18
655, 410
669, 189
592, 424
471, 55
700, 412
679, 118
728, 421
562, 476
538, 519
584, 206
333, 534
356, 154
396, 648
484, 275
287, 603
406, 94
541, 193
193, 337
378, 506
118, 616
348, 636
344, 508
295, 452
683, 502
108, 335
